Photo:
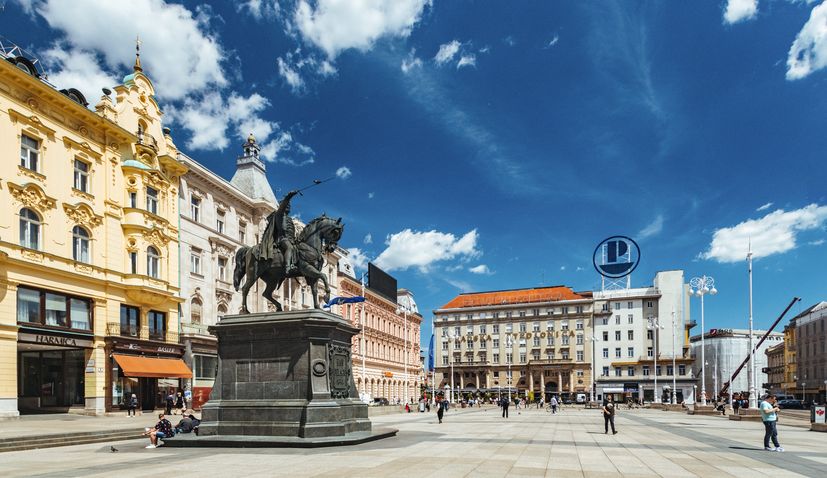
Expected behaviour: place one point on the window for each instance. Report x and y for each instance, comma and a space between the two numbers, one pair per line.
579, 325
616, 305
153, 262
28, 305
157, 324
564, 325
617, 320
579, 339
649, 334
649, 304
482, 329
645, 370
579, 355
535, 312
658, 370
579, 309
469, 329
206, 366
536, 326
565, 340
195, 261
29, 152
81, 176
57, 310
496, 315
630, 371
80, 314
152, 200
565, 354
509, 358
219, 222
565, 310
617, 335
522, 327
496, 343
496, 359
550, 326
133, 262
222, 269
670, 370
522, 313
605, 307
444, 360
617, 352
536, 354
605, 371
630, 305
129, 321
605, 336
80, 244
604, 321
242, 232
195, 209
195, 311
536, 341
133, 199
29, 229
630, 352
457, 331
649, 352
618, 372
630, 318
605, 353
550, 341
508, 315
681, 369
509, 328
630, 334
495, 328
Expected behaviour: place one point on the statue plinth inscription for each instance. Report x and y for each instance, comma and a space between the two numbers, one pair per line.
284, 374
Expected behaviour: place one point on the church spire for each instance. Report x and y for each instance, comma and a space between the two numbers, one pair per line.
137, 66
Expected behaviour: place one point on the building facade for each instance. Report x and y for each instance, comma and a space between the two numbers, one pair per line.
88, 243
529, 342
386, 362
811, 352
217, 218
775, 368
636, 326
790, 367
725, 350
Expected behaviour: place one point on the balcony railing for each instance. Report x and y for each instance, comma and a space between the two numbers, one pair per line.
142, 333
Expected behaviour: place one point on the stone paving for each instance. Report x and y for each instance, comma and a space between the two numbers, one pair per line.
476, 442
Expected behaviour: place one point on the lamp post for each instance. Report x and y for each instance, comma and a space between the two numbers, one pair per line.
803, 385
654, 326
364, 340
753, 397
594, 345
404, 310
509, 342
700, 286
674, 369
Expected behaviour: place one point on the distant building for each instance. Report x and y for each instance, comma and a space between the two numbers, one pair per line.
790, 367
811, 351
726, 349
774, 368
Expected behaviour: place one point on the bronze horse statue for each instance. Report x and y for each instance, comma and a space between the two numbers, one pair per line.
319, 236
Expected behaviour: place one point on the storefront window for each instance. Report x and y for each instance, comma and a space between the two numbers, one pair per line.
52, 379
28, 305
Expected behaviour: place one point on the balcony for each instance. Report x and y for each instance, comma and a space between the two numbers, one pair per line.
141, 333
195, 329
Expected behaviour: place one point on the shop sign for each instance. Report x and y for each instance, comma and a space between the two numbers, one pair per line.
58, 340
167, 350
714, 332
616, 257
90, 366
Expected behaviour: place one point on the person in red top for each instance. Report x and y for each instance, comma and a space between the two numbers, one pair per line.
163, 429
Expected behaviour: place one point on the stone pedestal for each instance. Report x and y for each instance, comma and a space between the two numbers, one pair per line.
746, 414
284, 374
703, 410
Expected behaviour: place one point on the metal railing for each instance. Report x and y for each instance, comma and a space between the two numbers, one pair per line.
142, 333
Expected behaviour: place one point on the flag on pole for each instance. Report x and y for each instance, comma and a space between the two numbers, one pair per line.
343, 300
431, 354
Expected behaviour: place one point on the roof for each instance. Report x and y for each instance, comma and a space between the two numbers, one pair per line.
515, 296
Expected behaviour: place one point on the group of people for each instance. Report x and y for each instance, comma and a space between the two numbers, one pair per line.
175, 401
164, 429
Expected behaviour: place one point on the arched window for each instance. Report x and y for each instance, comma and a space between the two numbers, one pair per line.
29, 229
195, 311
80, 244
153, 262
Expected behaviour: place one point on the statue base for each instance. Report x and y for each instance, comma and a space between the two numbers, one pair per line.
286, 375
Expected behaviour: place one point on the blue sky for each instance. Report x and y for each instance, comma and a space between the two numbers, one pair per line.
492, 145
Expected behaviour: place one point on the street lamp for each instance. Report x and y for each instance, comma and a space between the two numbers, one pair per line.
803, 385
509, 342
594, 346
753, 397
674, 370
700, 286
654, 326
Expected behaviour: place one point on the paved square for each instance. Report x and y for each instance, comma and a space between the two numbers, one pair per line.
475, 442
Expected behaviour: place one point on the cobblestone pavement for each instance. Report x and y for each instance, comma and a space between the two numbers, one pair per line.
474, 442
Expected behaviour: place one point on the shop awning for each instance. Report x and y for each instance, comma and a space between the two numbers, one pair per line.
135, 366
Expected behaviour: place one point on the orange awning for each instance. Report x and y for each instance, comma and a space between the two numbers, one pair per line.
136, 366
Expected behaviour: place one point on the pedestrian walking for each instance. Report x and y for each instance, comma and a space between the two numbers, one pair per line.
131, 405
505, 403
769, 415
553, 403
169, 402
440, 409
609, 415
180, 403
736, 403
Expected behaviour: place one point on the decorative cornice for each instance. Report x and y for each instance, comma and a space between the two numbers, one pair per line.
83, 215
32, 196
156, 236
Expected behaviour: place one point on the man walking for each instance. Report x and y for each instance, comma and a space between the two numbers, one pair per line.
553, 403
609, 415
504, 403
769, 415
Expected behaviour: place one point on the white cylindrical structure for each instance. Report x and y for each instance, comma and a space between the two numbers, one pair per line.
753, 399
674, 370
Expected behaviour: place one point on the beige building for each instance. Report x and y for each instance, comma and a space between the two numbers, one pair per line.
775, 368
88, 244
532, 342
386, 358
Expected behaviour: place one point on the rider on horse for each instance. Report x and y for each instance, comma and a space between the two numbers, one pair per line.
281, 233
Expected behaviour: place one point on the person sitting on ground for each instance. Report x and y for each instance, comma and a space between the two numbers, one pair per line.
185, 425
163, 429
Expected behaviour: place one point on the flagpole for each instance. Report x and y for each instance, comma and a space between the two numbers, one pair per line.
364, 342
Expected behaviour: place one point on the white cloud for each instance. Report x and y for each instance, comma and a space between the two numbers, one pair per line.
80, 70
371, 195
765, 207
740, 10
580, 269
480, 269
817, 242
461, 285
178, 51
411, 62
343, 172
295, 66
421, 249
774, 233
290, 75
368, 239
260, 8
358, 258
654, 227
553, 41
467, 60
562, 268
808, 52
509, 40
447, 51
337, 25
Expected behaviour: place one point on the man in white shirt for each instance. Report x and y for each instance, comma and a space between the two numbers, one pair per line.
769, 415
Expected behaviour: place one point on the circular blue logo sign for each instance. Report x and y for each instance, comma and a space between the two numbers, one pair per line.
616, 257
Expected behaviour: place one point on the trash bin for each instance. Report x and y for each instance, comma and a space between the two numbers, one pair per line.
818, 414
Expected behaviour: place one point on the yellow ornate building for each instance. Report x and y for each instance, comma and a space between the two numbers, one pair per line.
88, 244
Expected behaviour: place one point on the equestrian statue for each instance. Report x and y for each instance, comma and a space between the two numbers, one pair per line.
282, 254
